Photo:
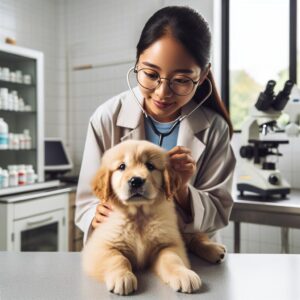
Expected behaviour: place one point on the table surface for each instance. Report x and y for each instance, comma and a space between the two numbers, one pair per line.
32, 276
289, 205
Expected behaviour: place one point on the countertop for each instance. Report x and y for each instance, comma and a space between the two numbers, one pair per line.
290, 204
38, 276
30, 195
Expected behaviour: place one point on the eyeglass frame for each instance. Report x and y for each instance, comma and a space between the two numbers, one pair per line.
168, 80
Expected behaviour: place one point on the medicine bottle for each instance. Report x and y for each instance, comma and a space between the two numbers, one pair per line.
13, 177
3, 134
27, 139
4, 178
30, 176
21, 175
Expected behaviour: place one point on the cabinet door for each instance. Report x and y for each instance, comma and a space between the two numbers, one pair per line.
45, 232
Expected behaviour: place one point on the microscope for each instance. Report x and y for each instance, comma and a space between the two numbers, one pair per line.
257, 174
292, 113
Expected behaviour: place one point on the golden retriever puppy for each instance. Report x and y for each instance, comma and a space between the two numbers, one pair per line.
142, 231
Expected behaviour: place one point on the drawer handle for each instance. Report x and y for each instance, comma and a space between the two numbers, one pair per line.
39, 221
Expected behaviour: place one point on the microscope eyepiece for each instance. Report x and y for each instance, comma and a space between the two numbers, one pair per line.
282, 98
265, 98
270, 87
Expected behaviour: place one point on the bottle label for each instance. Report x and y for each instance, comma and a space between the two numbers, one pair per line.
3, 139
22, 178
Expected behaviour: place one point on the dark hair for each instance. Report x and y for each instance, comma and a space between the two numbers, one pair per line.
192, 31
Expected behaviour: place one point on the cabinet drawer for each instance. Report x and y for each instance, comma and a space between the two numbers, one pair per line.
41, 205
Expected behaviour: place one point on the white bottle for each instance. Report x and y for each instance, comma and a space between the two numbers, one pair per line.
1, 180
3, 134
21, 175
10, 141
10, 102
22, 141
13, 177
4, 178
16, 142
30, 176
4, 98
28, 139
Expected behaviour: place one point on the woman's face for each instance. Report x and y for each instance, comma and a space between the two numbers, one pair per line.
170, 60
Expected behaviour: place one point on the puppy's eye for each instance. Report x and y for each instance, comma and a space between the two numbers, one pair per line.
150, 166
122, 167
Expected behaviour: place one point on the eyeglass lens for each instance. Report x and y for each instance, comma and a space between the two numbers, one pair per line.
150, 79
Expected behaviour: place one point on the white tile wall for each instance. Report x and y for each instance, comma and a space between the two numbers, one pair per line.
73, 33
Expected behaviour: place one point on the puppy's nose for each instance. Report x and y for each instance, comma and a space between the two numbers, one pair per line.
136, 182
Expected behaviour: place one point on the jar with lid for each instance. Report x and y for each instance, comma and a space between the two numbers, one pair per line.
13, 176
3, 134
21, 175
30, 176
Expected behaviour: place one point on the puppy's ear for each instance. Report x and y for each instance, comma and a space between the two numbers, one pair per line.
101, 184
172, 182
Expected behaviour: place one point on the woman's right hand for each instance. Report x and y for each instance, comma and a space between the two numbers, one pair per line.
102, 213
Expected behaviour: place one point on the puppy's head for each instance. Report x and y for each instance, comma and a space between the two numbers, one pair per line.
134, 173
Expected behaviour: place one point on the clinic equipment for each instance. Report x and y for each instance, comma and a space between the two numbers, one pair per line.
292, 114
256, 174
162, 135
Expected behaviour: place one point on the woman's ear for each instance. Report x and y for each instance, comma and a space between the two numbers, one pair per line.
101, 184
204, 73
172, 182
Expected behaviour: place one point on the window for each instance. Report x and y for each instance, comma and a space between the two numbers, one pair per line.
259, 47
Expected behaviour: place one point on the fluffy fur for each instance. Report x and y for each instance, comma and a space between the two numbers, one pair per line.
142, 230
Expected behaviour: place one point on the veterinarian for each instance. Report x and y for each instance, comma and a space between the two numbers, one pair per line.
175, 104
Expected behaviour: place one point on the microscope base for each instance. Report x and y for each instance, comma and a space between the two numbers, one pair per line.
243, 187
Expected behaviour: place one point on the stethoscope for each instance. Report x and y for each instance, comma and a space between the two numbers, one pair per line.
162, 135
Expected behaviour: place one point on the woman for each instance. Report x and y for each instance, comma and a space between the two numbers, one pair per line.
174, 78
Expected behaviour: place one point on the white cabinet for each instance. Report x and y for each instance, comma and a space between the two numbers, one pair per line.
28, 62
37, 224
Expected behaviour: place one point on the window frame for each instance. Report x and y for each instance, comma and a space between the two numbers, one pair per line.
225, 48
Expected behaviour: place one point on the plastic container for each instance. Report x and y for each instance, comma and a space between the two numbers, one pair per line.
27, 139
1, 180
4, 98
4, 178
22, 141
21, 175
30, 176
13, 177
3, 134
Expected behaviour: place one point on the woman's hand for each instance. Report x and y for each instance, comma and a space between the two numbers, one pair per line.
102, 213
182, 161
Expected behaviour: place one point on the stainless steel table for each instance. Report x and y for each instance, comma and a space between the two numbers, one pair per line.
284, 213
43, 276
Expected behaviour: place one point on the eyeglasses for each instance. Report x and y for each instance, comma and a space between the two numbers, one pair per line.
180, 85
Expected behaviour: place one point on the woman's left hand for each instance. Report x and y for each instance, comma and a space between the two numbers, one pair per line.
182, 161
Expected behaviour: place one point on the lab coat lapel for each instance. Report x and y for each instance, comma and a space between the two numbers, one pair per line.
131, 117
190, 126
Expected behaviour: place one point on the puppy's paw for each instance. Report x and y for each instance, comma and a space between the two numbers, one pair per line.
216, 252
121, 284
213, 252
185, 280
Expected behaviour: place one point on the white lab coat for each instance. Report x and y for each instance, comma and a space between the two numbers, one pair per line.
205, 133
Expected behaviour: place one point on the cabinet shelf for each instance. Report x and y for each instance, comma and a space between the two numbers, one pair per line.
16, 150
9, 84
17, 111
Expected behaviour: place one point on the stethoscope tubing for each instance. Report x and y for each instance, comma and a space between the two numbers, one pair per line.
161, 135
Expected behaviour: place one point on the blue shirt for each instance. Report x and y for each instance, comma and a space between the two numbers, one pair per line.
169, 141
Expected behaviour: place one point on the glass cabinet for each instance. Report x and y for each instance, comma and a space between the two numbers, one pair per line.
21, 113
